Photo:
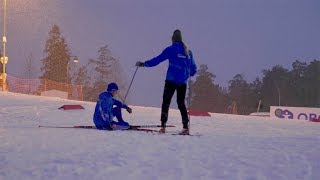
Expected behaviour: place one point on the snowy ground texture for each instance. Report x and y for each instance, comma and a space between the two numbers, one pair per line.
231, 147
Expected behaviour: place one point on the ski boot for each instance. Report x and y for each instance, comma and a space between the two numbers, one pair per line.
162, 130
184, 132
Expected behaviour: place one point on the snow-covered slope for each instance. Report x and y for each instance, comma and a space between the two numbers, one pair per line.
231, 146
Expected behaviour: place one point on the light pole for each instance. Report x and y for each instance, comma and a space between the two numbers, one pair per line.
259, 103
279, 95
4, 59
75, 60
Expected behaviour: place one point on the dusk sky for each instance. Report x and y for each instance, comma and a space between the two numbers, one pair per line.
230, 36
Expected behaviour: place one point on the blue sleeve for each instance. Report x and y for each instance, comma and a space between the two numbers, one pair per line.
193, 66
104, 107
119, 104
157, 60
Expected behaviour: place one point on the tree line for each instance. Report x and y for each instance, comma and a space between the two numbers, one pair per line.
299, 86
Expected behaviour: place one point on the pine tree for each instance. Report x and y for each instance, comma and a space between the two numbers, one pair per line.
203, 90
30, 67
299, 82
242, 93
102, 71
81, 76
57, 57
277, 88
117, 75
312, 84
30, 71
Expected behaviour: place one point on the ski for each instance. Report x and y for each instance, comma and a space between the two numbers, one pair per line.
82, 127
142, 129
131, 128
94, 127
176, 134
150, 126
173, 133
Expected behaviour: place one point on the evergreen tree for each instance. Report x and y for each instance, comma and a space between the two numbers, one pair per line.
277, 88
57, 57
117, 75
244, 94
312, 84
299, 83
256, 96
204, 92
237, 90
30, 67
30, 71
82, 78
102, 71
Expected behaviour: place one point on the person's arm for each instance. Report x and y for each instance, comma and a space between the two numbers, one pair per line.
159, 59
120, 104
156, 60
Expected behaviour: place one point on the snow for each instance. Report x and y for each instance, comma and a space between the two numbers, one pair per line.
230, 146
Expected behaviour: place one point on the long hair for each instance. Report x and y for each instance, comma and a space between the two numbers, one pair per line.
177, 37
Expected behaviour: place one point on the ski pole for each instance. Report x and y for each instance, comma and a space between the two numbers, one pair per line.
189, 99
125, 97
189, 93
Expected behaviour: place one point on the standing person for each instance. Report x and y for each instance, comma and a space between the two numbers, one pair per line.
104, 111
181, 67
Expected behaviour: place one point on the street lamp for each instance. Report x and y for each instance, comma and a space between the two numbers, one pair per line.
279, 95
75, 60
4, 59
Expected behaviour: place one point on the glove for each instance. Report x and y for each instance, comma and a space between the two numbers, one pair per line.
129, 110
140, 64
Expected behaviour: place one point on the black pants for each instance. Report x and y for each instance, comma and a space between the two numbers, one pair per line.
169, 90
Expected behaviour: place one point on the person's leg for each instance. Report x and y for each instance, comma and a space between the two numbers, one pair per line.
121, 124
168, 92
100, 123
116, 111
181, 95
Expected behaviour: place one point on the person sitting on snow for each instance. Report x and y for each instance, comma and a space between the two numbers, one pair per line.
105, 110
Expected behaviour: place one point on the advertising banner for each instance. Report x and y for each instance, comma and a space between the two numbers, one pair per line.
301, 113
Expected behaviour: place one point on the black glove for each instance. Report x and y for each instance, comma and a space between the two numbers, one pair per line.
140, 64
129, 110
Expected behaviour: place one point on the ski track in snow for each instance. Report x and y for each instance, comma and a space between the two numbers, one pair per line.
231, 146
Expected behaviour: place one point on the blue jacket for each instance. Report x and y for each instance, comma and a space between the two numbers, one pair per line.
180, 66
103, 115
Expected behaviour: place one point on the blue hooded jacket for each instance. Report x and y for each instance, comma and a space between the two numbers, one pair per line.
180, 66
103, 115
